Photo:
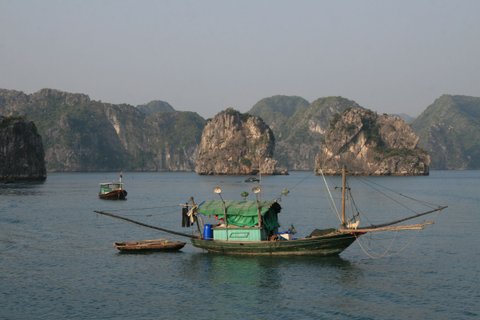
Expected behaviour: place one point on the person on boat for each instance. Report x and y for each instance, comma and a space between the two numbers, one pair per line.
220, 221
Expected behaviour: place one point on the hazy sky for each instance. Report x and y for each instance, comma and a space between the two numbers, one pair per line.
205, 56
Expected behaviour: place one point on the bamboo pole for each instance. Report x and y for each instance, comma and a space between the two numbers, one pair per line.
418, 226
144, 224
408, 218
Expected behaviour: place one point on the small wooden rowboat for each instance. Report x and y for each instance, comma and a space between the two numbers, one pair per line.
149, 246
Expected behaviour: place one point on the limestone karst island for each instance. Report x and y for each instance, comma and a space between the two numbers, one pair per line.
67, 132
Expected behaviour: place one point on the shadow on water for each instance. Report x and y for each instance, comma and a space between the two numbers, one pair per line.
266, 271
24, 188
269, 261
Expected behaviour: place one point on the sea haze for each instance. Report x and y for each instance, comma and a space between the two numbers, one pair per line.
57, 260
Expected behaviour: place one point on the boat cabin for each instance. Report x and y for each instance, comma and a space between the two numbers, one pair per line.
242, 220
107, 187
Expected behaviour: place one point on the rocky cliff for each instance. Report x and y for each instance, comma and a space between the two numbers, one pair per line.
299, 127
235, 144
21, 151
80, 134
371, 144
175, 137
449, 130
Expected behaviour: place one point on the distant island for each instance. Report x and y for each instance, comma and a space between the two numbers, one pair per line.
236, 144
371, 144
80, 134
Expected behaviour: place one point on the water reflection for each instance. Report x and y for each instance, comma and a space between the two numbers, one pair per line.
21, 188
269, 272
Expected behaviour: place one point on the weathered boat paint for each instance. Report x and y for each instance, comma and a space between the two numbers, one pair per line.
326, 245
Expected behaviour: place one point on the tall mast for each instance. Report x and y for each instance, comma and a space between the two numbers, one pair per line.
344, 187
120, 180
257, 190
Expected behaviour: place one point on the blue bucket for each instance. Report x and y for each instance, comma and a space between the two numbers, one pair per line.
207, 232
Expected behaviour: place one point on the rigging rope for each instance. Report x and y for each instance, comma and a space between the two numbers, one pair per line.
352, 201
364, 181
425, 203
376, 256
332, 202
411, 198
387, 252
370, 253
301, 181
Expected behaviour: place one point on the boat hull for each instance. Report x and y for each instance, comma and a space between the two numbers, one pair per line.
114, 195
326, 245
149, 246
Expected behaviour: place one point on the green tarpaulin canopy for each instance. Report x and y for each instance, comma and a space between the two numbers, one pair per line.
235, 208
243, 213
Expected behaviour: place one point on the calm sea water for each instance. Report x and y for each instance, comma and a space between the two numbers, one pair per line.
57, 260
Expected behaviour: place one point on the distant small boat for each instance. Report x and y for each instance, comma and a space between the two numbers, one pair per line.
112, 190
252, 179
149, 246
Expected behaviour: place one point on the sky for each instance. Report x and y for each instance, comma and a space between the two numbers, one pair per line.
206, 56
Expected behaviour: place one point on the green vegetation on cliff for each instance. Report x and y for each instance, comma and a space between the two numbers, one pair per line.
299, 127
84, 135
277, 110
155, 106
449, 130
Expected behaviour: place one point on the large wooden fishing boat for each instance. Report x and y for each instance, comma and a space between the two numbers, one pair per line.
251, 228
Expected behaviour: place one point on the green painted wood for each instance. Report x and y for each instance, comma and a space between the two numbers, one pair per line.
239, 234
